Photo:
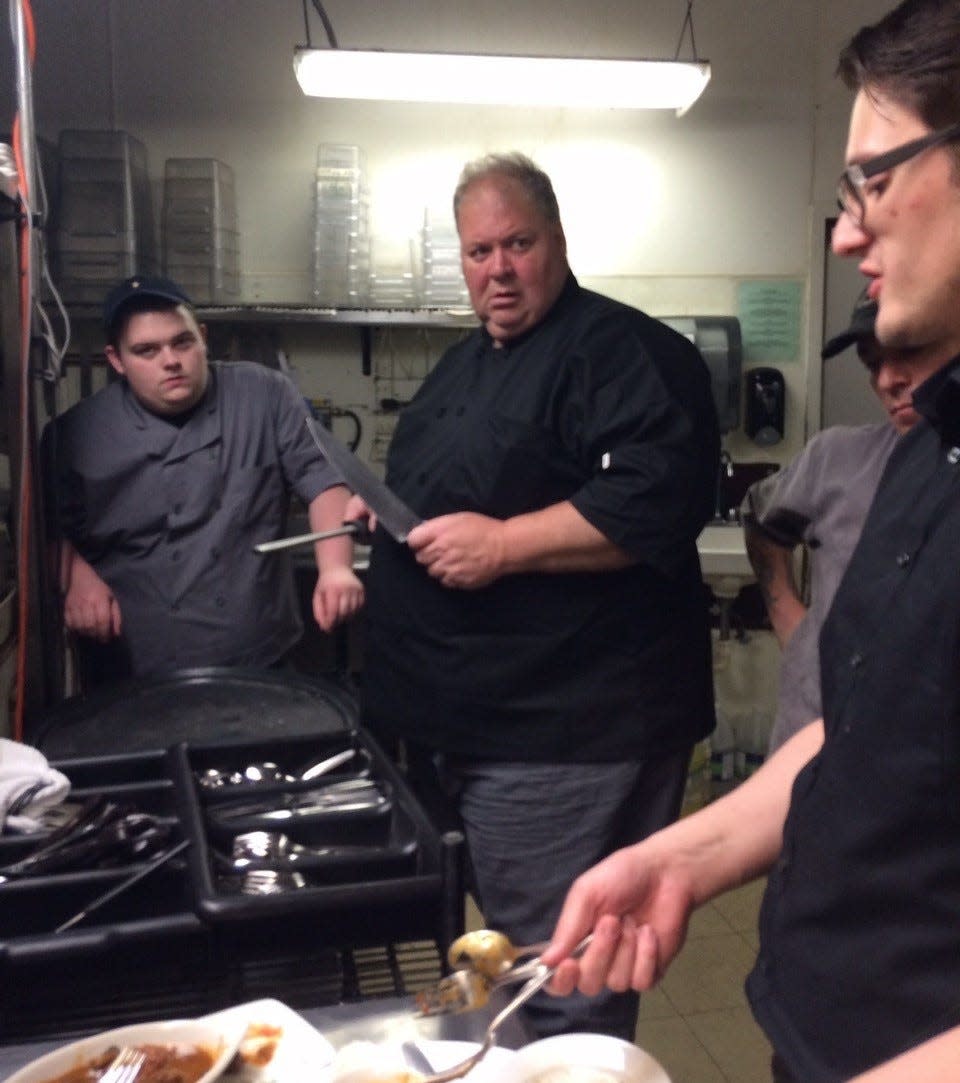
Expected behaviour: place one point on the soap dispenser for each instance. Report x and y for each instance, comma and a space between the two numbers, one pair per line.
766, 395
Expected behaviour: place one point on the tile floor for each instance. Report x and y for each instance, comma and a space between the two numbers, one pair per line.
697, 1022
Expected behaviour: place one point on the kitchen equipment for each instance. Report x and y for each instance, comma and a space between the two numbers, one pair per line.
359, 531
481, 972
391, 512
529, 989
199, 705
108, 896
125, 1066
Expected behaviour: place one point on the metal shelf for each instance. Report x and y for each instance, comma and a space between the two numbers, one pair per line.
305, 314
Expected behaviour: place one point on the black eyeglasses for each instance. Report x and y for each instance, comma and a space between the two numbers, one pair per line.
853, 180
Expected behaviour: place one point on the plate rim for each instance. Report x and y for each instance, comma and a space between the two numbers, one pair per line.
74, 1051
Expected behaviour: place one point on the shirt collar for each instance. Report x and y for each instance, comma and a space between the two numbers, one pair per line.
938, 400
570, 289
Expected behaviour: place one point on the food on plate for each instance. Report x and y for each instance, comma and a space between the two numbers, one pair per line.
487, 952
258, 1045
162, 1064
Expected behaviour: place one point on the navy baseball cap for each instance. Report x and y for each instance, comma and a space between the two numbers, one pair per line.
862, 321
130, 289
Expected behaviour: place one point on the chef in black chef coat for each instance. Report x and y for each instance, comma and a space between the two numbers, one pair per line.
545, 633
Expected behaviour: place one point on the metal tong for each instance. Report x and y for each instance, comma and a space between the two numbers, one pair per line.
456, 993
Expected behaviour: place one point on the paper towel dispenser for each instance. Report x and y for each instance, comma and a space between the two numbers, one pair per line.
718, 340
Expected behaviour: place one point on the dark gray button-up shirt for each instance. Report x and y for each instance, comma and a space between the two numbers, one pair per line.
167, 514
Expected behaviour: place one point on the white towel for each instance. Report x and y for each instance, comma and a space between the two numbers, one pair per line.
28, 786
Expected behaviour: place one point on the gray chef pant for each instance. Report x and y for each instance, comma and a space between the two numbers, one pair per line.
532, 828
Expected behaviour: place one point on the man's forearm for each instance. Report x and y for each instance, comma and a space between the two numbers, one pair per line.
773, 566
738, 837
326, 512
558, 539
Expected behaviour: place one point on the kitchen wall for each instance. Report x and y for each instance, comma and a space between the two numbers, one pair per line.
673, 214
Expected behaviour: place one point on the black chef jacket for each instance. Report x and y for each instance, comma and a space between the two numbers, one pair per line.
607, 408
860, 926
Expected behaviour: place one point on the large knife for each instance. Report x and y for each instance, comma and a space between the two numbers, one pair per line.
391, 512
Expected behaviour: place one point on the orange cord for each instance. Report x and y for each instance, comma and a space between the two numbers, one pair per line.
23, 551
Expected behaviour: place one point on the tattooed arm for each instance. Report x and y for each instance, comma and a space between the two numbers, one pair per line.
773, 567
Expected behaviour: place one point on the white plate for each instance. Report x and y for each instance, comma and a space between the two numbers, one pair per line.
369, 1062
610, 1058
497, 1066
300, 1050
221, 1038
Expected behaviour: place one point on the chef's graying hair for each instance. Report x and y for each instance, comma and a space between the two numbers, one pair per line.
519, 168
912, 55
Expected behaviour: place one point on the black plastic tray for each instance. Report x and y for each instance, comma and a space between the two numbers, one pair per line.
407, 886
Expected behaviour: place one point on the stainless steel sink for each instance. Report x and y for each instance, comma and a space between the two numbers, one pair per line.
723, 558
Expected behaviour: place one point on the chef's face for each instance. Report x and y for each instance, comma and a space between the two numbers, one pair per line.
908, 243
514, 259
895, 375
163, 356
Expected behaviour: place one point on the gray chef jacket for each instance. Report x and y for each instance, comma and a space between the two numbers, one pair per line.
820, 499
167, 514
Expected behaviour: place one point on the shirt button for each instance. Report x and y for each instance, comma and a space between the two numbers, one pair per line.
215, 553
903, 559
221, 601
953, 456
175, 607
856, 660
177, 508
175, 555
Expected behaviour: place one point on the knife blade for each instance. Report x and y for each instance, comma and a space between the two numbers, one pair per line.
391, 512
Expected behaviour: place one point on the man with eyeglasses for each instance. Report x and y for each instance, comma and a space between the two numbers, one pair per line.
856, 819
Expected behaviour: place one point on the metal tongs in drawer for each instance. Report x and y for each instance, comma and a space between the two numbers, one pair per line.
487, 961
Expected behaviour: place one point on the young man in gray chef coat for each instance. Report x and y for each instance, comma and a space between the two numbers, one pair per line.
161, 484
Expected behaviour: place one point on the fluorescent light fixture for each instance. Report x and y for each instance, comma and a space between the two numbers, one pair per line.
473, 79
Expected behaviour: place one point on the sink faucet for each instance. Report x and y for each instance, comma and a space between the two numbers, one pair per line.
725, 472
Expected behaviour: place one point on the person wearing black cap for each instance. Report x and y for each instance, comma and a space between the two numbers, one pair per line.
160, 485
821, 500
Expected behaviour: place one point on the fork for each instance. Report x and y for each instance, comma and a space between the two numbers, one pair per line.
125, 1066
541, 975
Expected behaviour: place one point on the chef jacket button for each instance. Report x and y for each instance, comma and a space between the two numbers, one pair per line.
903, 559
441, 411
856, 660
953, 456
421, 479
461, 410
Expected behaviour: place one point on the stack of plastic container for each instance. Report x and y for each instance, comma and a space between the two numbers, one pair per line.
104, 223
201, 241
443, 285
341, 262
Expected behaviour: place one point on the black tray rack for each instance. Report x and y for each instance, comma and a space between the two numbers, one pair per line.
177, 945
